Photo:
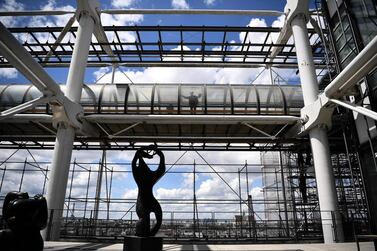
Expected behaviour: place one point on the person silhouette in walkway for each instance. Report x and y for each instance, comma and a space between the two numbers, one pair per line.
193, 101
145, 179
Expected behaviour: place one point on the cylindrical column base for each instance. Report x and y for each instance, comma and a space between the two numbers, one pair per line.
330, 216
58, 179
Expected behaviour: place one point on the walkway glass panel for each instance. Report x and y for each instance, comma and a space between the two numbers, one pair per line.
172, 99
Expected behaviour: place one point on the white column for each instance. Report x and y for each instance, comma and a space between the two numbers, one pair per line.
327, 196
65, 135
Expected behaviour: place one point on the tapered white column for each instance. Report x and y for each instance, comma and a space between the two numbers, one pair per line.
327, 195
58, 178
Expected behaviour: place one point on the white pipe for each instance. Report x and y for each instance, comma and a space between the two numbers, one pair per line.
24, 107
65, 135
25, 118
356, 108
229, 64
318, 137
150, 11
195, 12
359, 67
35, 13
21, 59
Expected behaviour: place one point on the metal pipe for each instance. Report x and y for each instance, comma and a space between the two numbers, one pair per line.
150, 12
359, 67
205, 64
97, 198
191, 119
35, 13
282, 177
65, 135
318, 137
359, 109
194, 12
21, 59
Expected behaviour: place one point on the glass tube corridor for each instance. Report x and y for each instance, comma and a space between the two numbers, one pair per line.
172, 99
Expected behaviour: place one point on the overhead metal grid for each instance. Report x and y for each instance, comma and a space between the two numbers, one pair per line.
185, 46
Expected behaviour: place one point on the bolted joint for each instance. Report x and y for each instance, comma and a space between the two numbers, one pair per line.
317, 114
88, 7
295, 8
66, 113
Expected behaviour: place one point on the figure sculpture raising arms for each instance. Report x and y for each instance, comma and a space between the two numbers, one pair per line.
145, 179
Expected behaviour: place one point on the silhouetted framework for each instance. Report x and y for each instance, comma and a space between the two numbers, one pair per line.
284, 212
314, 188
154, 45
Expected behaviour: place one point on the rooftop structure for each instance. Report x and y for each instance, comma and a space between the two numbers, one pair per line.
180, 116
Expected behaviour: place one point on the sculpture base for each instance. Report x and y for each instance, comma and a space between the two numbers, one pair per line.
136, 243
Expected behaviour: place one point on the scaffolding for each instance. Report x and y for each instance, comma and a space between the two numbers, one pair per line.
285, 210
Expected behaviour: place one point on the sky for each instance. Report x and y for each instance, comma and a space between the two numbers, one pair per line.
173, 185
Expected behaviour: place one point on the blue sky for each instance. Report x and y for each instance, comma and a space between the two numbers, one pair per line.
173, 185
92, 74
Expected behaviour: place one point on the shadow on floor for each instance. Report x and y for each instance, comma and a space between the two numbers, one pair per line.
201, 247
88, 246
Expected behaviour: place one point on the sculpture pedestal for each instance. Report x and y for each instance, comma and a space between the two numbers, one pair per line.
136, 243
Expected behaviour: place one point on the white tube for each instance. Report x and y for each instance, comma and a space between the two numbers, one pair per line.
360, 66
328, 201
65, 136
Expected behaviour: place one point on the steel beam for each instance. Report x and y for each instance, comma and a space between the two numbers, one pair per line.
359, 109
151, 12
23, 107
21, 59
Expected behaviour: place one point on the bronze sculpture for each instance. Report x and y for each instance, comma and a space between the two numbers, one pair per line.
145, 179
25, 217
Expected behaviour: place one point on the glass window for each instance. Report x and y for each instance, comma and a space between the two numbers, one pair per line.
139, 99
366, 18
218, 100
112, 98
245, 100
294, 100
271, 100
166, 99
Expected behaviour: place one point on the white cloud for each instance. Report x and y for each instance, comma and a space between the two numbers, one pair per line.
199, 75
130, 194
10, 5
120, 20
122, 3
174, 193
279, 22
255, 37
209, 2
180, 4
8, 72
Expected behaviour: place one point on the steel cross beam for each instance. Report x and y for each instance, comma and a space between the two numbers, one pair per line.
145, 53
150, 12
65, 110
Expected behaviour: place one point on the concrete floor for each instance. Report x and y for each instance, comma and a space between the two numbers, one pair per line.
73, 246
